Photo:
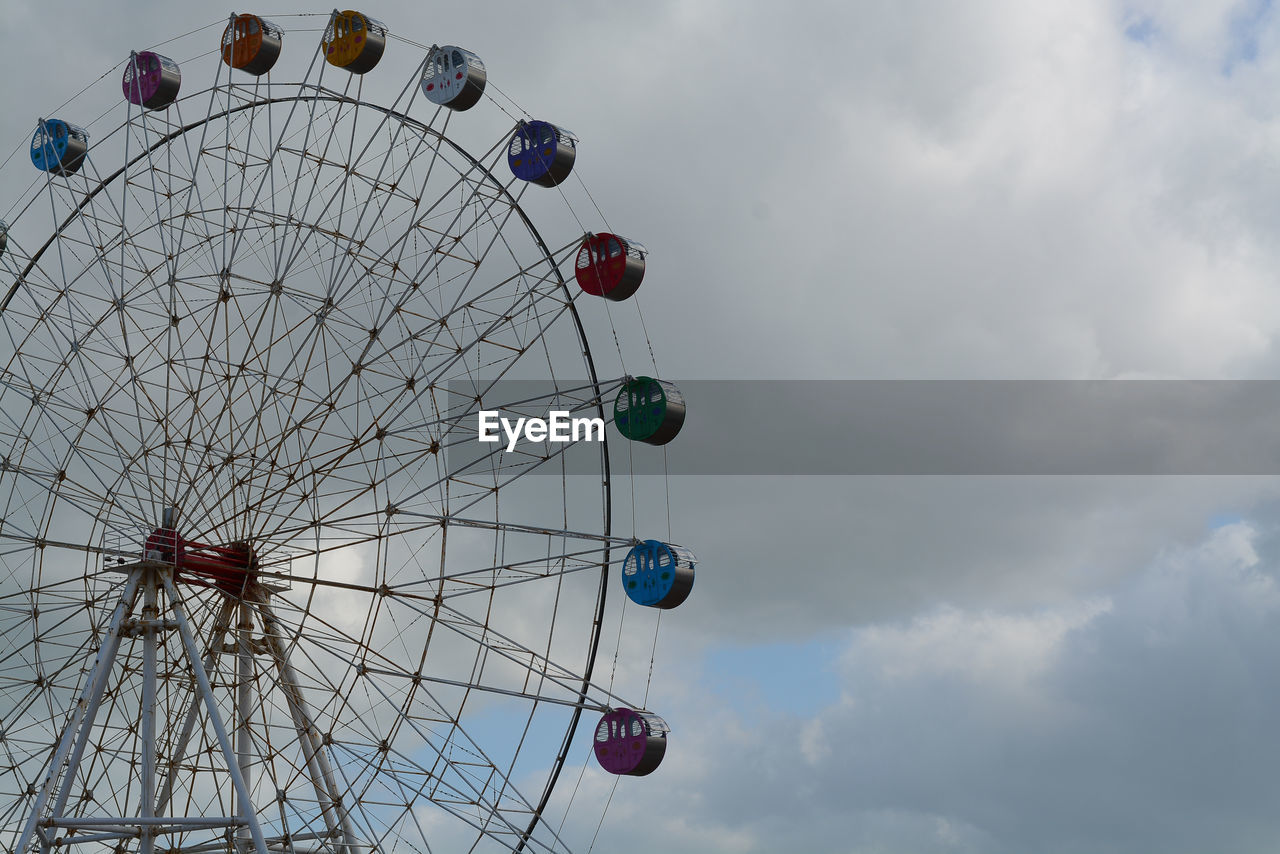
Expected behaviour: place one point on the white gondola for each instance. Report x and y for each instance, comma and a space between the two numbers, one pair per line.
453, 77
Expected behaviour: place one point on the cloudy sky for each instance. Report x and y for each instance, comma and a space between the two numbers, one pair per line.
914, 190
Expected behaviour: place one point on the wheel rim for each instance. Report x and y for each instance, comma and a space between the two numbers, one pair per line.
220, 488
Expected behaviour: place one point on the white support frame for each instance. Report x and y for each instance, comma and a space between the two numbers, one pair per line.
64, 768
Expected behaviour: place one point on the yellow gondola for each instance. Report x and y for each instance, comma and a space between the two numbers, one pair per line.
354, 41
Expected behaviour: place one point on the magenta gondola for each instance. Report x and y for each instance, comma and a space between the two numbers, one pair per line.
630, 742
151, 80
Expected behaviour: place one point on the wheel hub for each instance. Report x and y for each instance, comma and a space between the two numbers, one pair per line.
230, 568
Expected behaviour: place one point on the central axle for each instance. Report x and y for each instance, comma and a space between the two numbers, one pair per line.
230, 568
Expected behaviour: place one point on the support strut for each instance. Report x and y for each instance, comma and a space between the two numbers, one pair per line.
81, 719
336, 819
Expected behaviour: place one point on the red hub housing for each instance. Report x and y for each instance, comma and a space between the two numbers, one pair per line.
229, 568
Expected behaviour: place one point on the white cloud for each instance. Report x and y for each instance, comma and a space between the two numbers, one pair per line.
1002, 653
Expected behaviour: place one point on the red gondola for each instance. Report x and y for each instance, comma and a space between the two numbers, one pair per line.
610, 266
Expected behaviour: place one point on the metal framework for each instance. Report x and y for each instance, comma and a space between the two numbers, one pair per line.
264, 328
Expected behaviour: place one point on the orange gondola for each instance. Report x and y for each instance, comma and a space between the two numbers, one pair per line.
251, 44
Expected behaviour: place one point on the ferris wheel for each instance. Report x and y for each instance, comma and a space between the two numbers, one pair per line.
261, 589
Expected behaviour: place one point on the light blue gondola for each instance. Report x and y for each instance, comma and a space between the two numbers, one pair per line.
59, 147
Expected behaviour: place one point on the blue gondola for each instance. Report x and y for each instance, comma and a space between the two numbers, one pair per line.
657, 574
541, 153
59, 147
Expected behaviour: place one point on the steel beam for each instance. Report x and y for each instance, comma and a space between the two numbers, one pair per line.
220, 623
318, 767
215, 719
244, 700
150, 617
81, 719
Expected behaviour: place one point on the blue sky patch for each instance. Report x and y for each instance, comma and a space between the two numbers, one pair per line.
1142, 31
1244, 28
1222, 520
796, 678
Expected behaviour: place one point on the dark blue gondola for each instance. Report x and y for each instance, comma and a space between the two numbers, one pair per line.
541, 153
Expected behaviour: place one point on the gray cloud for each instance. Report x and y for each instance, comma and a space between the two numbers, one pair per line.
1133, 721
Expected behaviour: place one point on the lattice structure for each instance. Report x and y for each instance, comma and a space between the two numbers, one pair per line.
254, 597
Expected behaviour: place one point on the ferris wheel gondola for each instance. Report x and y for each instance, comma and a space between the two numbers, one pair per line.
151, 80
541, 153
59, 147
354, 41
453, 77
251, 44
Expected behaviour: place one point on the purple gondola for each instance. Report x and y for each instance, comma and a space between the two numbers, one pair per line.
630, 742
151, 80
